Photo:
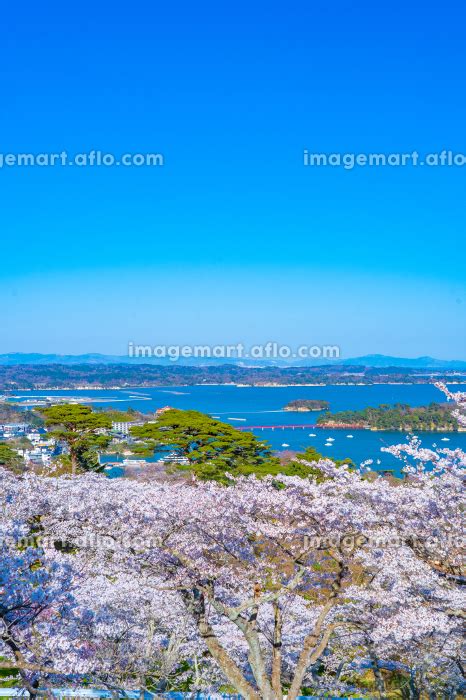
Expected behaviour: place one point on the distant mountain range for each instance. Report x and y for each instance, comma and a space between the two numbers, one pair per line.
425, 362
378, 361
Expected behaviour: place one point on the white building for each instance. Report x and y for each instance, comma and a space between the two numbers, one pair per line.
13, 429
123, 427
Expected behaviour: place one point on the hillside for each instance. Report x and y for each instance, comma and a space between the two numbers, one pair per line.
400, 417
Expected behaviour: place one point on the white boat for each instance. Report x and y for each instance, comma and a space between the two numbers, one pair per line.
445, 439
285, 444
329, 444
350, 436
312, 435
236, 418
330, 439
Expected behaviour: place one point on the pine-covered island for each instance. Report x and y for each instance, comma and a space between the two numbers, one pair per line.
307, 405
400, 417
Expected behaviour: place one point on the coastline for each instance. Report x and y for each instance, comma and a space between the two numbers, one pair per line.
404, 431
274, 385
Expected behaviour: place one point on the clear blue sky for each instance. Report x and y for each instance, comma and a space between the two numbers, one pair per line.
233, 239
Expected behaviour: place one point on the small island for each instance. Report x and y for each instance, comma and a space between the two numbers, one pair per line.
302, 405
400, 417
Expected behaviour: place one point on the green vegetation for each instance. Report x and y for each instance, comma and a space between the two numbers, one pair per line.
215, 449
116, 416
10, 413
9, 676
307, 405
295, 467
83, 431
10, 459
212, 447
311, 455
434, 417
20, 443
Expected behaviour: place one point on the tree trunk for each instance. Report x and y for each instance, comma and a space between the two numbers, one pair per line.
32, 689
414, 690
195, 601
312, 651
74, 461
21, 665
277, 653
228, 666
256, 656
378, 677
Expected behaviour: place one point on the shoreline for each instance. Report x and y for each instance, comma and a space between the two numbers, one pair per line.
324, 426
99, 387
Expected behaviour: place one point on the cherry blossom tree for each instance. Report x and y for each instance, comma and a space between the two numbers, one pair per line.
61, 622
267, 586
36, 593
459, 398
267, 573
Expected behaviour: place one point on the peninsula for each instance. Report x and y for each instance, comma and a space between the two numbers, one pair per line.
400, 417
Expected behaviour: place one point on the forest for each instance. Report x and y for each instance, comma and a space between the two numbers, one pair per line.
434, 417
20, 377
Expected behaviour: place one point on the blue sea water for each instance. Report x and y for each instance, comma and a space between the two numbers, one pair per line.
264, 406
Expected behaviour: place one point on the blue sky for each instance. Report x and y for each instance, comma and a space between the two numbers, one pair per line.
233, 239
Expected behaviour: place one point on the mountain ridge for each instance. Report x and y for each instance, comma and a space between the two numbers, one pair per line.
371, 360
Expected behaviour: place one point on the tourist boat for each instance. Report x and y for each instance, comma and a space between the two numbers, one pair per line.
445, 439
350, 436
132, 462
312, 435
285, 444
